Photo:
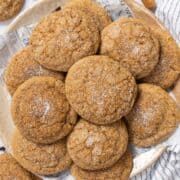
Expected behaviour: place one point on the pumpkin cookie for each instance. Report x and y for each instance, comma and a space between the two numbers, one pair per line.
131, 42
41, 159
153, 118
167, 70
22, 67
98, 13
9, 8
100, 89
64, 37
120, 170
176, 92
95, 147
10, 169
41, 111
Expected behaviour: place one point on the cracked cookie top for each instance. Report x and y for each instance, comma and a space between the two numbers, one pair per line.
132, 43
41, 111
120, 170
95, 147
22, 67
167, 70
64, 37
154, 116
99, 14
41, 159
100, 90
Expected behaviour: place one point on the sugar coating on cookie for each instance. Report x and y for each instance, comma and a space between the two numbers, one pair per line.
41, 159
11, 169
9, 8
100, 89
22, 67
131, 42
41, 111
167, 70
154, 116
101, 17
120, 170
64, 37
94, 147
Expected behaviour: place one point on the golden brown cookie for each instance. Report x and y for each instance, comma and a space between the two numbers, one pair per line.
176, 92
11, 169
119, 171
131, 42
41, 159
154, 116
9, 8
22, 67
150, 4
64, 37
41, 111
100, 89
168, 68
98, 13
95, 147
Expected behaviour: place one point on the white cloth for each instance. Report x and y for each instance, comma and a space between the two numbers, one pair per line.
166, 168
168, 12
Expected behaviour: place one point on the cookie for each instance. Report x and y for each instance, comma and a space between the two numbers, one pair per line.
168, 68
100, 89
41, 111
120, 170
11, 169
98, 13
9, 8
154, 116
22, 67
64, 37
150, 4
176, 92
95, 147
41, 159
131, 42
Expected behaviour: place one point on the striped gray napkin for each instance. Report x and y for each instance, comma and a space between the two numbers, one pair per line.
168, 12
166, 168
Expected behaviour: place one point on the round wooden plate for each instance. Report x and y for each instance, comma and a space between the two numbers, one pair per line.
34, 14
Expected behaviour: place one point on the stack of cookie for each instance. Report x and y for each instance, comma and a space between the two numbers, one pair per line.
85, 87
